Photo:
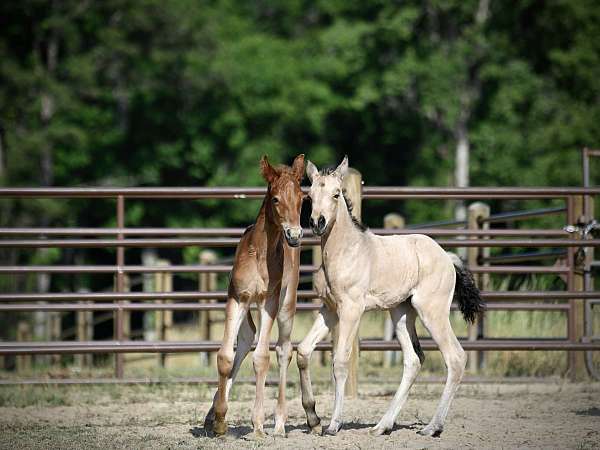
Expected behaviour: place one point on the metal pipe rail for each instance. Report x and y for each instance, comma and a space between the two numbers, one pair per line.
372, 192
122, 238
237, 232
224, 268
309, 242
67, 307
521, 215
70, 347
222, 295
530, 256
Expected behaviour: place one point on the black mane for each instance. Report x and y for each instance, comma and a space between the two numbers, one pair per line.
357, 223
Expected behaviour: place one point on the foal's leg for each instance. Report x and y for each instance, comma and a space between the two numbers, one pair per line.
267, 311
323, 325
235, 314
285, 322
434, 313
244, 344
403, 318
349, 317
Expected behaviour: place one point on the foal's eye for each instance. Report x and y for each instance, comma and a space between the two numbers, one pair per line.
275, 200
336, 196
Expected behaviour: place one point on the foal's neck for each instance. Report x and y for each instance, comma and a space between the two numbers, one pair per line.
343, 234
268, 231
270, 236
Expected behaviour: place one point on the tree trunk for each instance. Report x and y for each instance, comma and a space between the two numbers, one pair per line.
42, 330
461, 169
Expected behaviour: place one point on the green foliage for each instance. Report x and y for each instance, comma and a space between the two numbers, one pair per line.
190, 93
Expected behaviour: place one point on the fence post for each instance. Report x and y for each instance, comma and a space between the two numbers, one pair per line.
161, 283
84, 332
23, 362
475, 213
41, 319
126, 314
149, 259
55, 332
207, 282
352, 184
120, 287
392, 221
80, 335
577, 368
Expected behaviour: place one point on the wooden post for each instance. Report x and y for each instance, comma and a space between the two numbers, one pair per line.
391, 221
207, 282
161, 284
85, 332
41, 319
476, 212
23, 362
352, 184
55, 333
148, 280
126, 314
577, 368
81, 335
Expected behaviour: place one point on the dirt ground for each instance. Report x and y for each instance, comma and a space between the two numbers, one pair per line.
534, 415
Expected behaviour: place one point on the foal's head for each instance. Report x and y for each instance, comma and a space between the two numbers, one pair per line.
285, 197
325, 194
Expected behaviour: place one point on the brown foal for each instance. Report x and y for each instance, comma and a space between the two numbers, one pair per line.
265, 272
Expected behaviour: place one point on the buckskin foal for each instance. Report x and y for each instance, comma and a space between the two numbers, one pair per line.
407, 275
265, 272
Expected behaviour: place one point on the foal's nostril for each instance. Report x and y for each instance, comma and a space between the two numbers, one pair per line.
321, 222
311, 222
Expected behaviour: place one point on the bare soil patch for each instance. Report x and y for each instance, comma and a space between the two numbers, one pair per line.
540, 415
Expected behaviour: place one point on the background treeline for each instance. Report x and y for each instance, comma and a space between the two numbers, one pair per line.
191, 93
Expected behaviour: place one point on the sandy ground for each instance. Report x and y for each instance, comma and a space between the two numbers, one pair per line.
542, 415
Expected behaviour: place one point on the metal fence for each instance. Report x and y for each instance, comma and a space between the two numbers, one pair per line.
567, 240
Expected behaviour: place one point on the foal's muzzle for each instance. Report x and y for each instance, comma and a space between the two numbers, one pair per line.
319, 226
293, 236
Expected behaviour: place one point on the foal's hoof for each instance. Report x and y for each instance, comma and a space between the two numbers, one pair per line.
432, 431
330, 432
219, 428
378, 430
279, 432
256, 435
317, 429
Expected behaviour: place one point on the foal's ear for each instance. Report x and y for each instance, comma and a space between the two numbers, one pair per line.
311, 171
298, 167
268, 172
341, 170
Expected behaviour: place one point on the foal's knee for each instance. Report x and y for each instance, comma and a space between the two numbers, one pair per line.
224, 362
284, 353
340, 368
260, 361
303, 357
412, 362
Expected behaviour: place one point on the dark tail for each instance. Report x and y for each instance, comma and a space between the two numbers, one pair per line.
467, 295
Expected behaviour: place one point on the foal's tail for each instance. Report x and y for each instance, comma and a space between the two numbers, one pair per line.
466, 293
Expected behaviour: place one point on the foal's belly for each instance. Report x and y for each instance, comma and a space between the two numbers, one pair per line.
383, 300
